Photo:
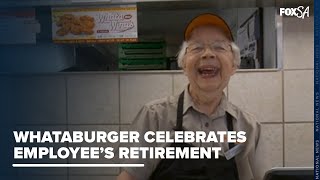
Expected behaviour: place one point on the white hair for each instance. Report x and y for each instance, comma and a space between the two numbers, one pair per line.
183, 48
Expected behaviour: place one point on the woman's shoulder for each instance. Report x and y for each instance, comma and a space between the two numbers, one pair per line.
164, 103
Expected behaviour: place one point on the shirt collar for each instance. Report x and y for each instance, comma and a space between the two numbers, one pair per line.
223, 107
188, 102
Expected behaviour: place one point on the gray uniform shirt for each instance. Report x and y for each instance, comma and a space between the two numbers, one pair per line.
161, 114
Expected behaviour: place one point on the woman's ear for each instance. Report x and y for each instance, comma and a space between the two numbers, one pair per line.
234, 68
184, 67
184, 64
236, 57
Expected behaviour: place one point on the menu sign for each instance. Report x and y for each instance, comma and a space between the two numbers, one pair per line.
95, 24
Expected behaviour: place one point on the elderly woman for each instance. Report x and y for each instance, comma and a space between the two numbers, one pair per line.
208, 57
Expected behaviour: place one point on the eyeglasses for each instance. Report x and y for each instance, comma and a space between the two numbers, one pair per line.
217, 46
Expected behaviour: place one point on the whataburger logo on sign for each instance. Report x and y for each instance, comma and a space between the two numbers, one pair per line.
299, 12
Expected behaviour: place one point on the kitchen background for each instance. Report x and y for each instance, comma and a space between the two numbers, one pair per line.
281, 99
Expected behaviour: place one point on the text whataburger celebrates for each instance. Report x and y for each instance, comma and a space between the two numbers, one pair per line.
86, 144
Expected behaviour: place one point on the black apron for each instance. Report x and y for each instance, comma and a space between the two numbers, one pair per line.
196, 169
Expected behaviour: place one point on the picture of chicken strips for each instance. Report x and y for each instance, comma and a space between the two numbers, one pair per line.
87, 18
69, 23
87, 24
87, 31
62, 32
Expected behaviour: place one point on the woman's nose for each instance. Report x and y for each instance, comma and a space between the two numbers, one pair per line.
208, 53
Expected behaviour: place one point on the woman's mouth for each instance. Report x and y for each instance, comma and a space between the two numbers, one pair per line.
208, 72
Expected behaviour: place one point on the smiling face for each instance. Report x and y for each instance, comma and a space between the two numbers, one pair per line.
208, 62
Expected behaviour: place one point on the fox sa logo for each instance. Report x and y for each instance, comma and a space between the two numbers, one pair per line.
299, 12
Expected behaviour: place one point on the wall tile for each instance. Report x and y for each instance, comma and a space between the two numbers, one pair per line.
45, 160
6, 150
259, 93
180, 81
92, 177
43, 171
298, 95
42, 57
298, 42
292, 3
93, 99
270, 146
125, 127
4, 101
43, 177
101, 160
8, 177
38, 100
138, 89
298, 145
127, 145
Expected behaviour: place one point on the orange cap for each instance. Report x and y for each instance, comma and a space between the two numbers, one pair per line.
207, 19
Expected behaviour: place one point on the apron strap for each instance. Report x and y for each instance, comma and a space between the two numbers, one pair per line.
230, 127
180, 113
178, 127
231, 145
